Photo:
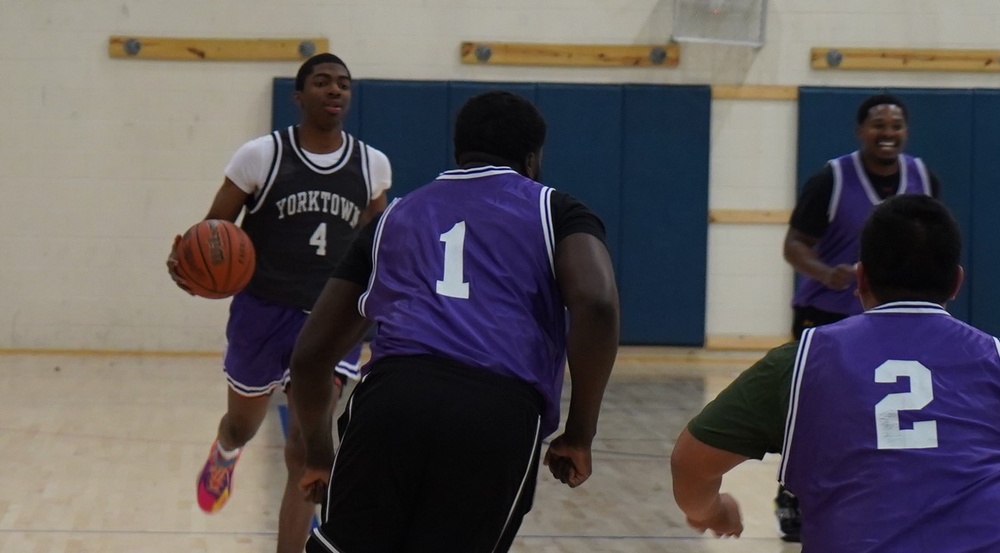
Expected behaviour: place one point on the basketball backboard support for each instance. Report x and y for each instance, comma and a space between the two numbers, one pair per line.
733, 22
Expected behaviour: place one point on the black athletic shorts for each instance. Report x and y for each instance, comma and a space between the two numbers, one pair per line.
808, 317
434, 457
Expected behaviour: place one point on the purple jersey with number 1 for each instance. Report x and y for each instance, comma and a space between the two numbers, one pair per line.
893, 435
468, 276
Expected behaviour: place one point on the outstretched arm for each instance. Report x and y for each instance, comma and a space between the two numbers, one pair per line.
587, 283
697, 469
333, 327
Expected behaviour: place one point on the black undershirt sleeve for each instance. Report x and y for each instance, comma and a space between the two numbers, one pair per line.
356, 266
810, 214
935, 185
570, 216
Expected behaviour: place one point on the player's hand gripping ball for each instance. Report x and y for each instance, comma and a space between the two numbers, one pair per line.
215, 259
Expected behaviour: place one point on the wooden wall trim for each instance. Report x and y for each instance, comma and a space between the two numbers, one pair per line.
736, 342
579, 55
755, 92
905, 59
215, 49
749, 216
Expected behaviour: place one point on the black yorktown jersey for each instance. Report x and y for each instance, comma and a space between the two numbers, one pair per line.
304, 219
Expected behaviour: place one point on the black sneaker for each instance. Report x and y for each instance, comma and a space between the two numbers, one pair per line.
786, 508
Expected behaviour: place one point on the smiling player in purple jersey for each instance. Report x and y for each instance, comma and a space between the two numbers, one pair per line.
822, 239
481, 285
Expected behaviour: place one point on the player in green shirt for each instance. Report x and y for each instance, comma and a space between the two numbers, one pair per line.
909, 269
748, 417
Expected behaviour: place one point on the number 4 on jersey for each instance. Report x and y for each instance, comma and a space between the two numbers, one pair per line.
318, 239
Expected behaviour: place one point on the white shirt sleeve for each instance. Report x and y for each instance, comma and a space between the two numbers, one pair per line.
250, 163
380, 171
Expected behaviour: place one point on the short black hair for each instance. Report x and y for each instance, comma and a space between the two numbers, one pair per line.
911, 249
500, 124
880, 100
307, 67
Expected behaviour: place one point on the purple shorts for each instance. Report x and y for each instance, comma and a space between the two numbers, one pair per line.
260, 338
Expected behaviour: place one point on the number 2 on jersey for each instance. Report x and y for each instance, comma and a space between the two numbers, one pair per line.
453, 284
890, 435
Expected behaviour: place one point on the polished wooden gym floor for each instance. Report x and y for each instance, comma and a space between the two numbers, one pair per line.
99, 453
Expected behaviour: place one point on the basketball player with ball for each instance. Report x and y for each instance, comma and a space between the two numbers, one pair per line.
304, 193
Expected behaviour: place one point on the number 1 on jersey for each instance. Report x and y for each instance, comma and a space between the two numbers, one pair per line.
453, 285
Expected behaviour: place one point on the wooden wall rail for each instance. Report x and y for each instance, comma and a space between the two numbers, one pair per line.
905, 59
744, 342
578, 55
755, 92
215, 49
750, 216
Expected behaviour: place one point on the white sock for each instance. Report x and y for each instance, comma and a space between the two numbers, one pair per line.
227, 455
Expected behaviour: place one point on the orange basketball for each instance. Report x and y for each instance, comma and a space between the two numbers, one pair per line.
216, 258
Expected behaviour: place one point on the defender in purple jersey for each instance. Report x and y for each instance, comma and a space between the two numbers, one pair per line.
304, 193
481, 285
822, 239
886, 420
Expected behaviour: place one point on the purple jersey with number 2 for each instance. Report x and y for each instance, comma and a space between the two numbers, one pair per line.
893, 435
463, 270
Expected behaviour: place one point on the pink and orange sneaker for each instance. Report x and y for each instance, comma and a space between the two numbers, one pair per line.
216, 480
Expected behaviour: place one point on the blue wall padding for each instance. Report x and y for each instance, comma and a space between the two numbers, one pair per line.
940, 124
284, 112
583, 155
409, 121
983, 277
664, 226
636, 154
